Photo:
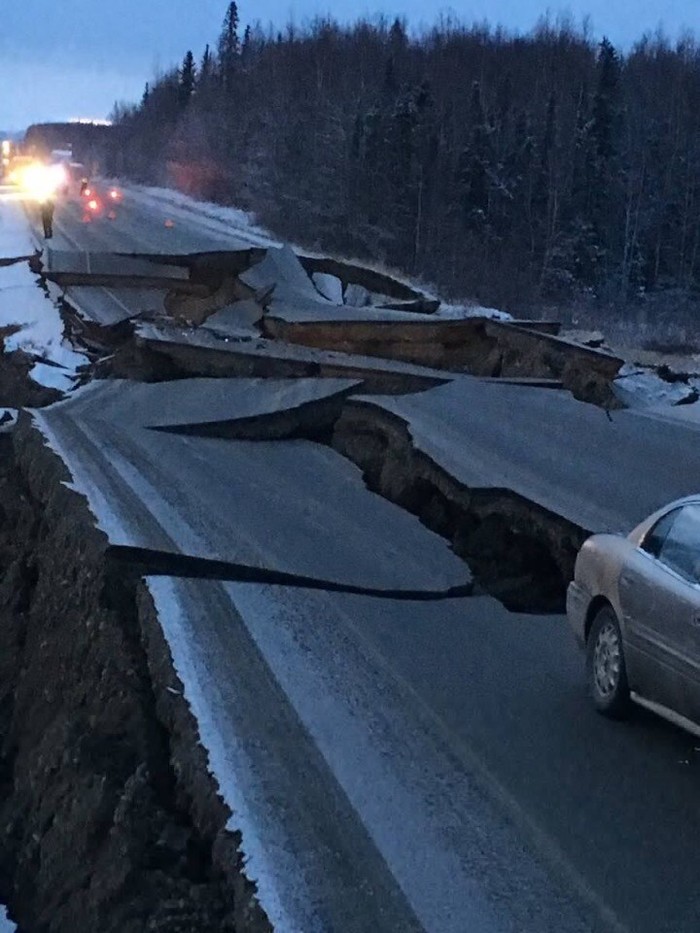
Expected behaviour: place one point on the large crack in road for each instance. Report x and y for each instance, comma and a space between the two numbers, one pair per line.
519, 552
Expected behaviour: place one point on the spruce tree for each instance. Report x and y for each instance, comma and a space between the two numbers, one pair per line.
187, 79
229, 45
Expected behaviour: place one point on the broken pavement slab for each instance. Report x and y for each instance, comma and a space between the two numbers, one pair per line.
291, 506
316, 313
115, 270
216, 407
110, 306
475, 345
642, 387
357, 296
329, 286
175, 352
239, 319
282, 274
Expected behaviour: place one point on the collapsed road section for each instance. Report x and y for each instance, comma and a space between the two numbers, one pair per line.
271, 308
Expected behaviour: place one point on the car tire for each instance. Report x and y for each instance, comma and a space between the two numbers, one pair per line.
606, 672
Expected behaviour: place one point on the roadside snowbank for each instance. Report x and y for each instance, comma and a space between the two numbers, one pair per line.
15, 237
23, 303
26, 306
450, 312
640, 388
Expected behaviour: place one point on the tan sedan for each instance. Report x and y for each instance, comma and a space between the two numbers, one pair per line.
634, 605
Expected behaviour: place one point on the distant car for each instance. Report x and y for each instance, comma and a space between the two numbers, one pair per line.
634, 605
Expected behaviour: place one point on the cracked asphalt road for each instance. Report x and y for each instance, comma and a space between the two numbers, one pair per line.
475, 787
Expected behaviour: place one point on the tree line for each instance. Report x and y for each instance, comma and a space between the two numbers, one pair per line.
518, 170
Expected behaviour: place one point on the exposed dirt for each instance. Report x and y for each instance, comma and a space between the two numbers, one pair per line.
519, 553
108, 818
194, 309
17, 389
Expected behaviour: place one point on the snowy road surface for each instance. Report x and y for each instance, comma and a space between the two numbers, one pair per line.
426, 766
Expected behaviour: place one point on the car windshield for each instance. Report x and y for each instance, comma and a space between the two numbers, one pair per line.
675, 541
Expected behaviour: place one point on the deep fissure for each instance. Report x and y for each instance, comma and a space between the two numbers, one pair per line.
519, 552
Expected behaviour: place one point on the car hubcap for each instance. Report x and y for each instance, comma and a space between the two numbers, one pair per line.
606, 660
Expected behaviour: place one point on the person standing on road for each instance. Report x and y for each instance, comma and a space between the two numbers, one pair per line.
47, 209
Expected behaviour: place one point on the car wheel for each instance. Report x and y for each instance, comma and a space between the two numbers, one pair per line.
605, 665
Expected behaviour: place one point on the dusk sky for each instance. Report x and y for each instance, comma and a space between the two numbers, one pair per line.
65, 59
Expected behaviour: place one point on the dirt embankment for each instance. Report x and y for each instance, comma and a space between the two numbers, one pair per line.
108, 818
17, 389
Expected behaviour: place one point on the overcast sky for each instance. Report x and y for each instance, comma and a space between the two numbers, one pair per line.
63, 59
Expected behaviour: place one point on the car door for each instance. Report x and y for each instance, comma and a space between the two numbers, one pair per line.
647, 649
679, 609
667, 611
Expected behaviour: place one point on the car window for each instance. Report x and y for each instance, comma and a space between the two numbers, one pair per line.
680, 549
657, 534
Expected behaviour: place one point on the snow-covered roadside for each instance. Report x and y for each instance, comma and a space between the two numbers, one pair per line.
639, 387
456, 312
6, 926
26, 306
15, 236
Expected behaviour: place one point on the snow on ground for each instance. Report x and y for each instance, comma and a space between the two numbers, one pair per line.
227, 220
24, 304
15, 236
6, 926
454, 312
639, 388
